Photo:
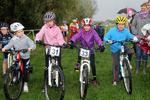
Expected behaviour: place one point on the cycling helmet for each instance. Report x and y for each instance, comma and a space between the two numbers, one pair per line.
4, 26
74, 20
94, 25
121, 20
86, 21
16, 26
64, 22
49, 16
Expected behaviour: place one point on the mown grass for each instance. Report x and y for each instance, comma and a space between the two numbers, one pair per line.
105, 90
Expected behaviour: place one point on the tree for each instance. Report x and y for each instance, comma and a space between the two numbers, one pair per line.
30, 12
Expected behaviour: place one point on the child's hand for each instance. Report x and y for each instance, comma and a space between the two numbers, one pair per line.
29, 49
109, 41
3, 49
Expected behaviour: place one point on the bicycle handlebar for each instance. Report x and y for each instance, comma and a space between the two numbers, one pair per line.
122, 41
44, 44
22, 50
87, 48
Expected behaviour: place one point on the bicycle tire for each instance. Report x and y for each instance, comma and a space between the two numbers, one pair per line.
84, 86
127, 77
50, 90
9, 84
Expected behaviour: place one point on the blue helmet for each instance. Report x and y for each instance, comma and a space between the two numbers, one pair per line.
4, 26
64, 22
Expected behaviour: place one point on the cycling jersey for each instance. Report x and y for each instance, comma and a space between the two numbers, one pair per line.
5, 38
74, 26
64, 28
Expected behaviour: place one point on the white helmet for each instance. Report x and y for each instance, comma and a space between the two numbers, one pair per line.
16, 26
145, 28
86, 21
74, 20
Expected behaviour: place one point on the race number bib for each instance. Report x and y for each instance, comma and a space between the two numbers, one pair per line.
54, 51
84, 53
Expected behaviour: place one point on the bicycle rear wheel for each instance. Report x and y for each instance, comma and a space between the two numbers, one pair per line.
127, 77
57, 90
13, 83
84, 82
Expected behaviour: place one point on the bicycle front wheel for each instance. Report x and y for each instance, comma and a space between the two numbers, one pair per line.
127, 77
13, 83
84, 82
56, 90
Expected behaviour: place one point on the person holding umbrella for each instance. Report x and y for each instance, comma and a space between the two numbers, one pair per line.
140, 19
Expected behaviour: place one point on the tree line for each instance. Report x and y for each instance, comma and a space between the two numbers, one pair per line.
30, 12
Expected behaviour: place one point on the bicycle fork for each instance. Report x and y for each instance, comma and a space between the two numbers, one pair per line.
55, 73
121, 64
84, 62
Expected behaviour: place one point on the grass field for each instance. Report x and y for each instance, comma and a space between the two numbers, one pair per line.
105, 90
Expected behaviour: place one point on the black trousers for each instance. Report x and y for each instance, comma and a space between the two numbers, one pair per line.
26, 64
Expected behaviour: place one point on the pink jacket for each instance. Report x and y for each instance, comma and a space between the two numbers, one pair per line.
52, 35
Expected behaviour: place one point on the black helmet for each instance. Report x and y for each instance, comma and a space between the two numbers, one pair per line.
4, 26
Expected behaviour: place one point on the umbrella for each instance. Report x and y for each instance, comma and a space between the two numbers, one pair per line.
127, 11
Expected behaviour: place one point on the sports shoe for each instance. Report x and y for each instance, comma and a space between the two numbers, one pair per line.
25, 88
95, 83
3, 75
115, 83
77, 67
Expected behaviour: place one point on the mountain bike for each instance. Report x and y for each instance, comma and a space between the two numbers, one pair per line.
54, 79
125, 67
13, 82
84, 69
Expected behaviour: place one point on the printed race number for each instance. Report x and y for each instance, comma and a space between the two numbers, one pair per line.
84, 53
54, 51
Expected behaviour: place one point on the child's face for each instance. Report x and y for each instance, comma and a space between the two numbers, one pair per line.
20, 33
87, 28
50, 23
121, 26
149, 31
4, 31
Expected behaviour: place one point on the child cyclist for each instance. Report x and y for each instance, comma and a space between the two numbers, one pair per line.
5, 37
87, 37
52, 35
74, 26
21, 41
64, 30
118, 33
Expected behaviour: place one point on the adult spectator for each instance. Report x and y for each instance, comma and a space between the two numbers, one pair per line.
140, 19
101, 31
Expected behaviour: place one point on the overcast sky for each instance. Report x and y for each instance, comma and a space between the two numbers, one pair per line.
107, 9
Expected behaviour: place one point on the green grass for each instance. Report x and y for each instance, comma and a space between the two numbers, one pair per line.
105, 90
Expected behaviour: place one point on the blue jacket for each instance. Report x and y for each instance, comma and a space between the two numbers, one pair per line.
115, 35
